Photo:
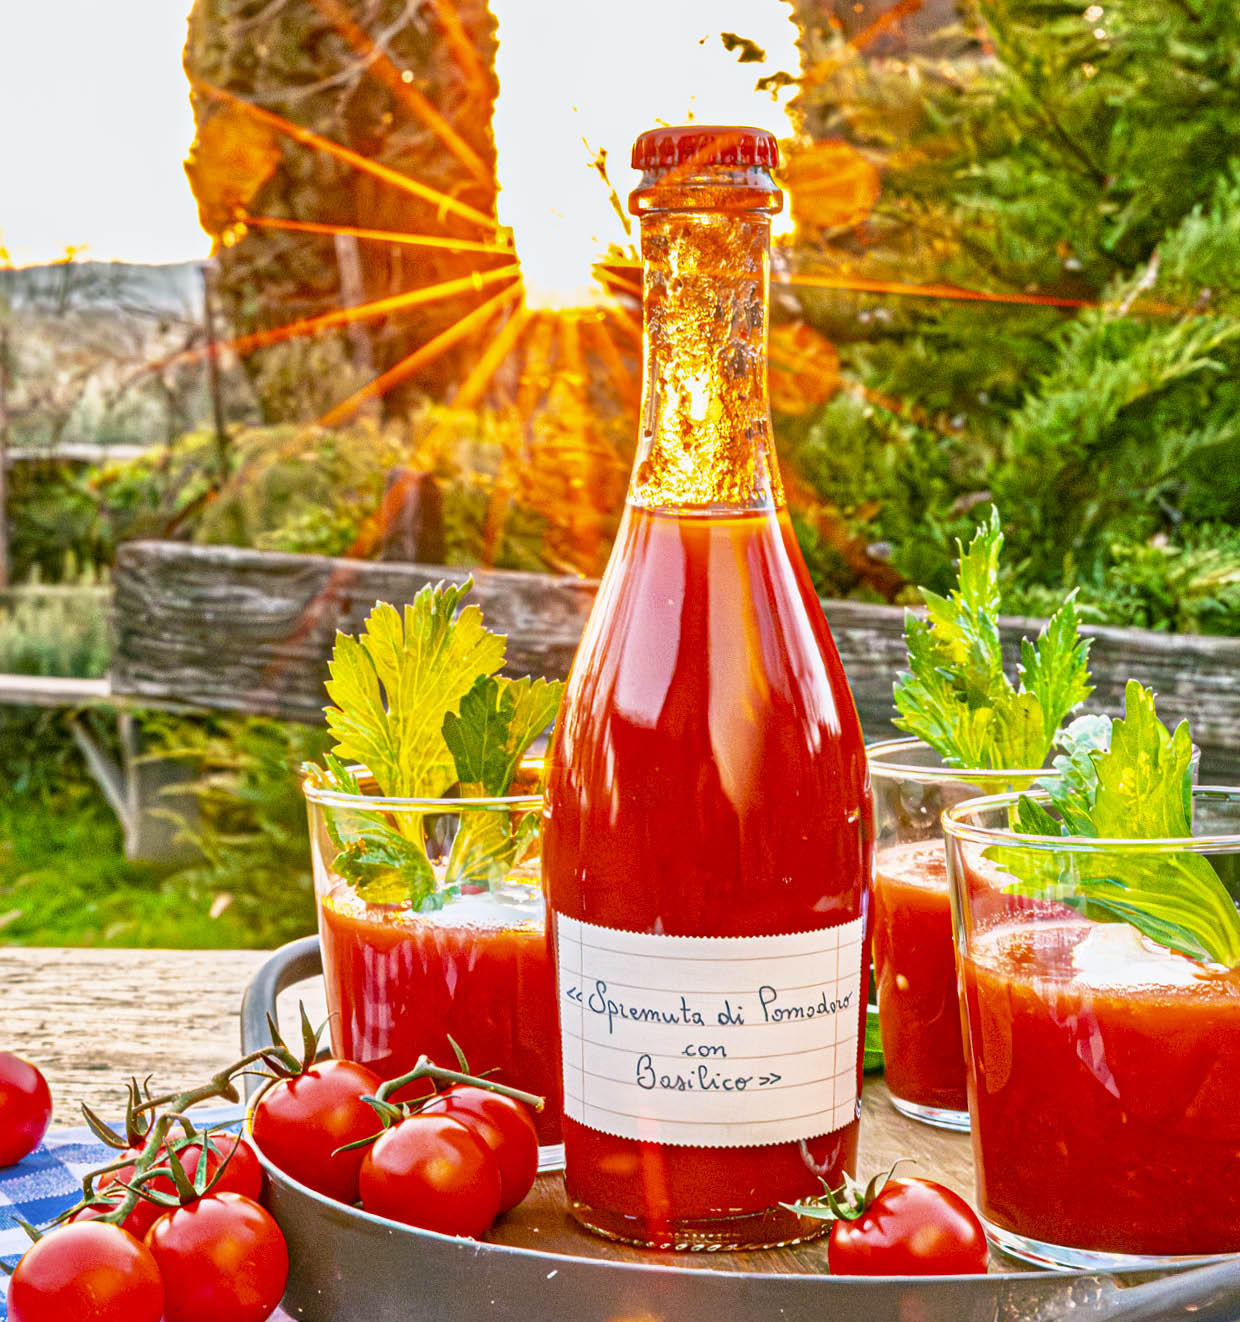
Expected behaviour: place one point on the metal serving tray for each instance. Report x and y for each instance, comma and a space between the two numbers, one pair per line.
539, 1266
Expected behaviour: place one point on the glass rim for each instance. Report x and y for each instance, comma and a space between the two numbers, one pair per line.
910, 770
377, 803
958, 829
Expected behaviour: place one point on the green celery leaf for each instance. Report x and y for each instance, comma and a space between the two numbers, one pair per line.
338, 776
955, 695
968, 641
385, 866
537, 702
1032, 819
333, 775
1018, 726
498, 720
1145, 779
485, 848
1144, 915
1140, 787
384, 863
393, 685
1075, 778
1055, 669
417, 702
477, 737
931, 708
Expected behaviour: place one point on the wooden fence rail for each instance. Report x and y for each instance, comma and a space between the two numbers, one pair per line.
250, 631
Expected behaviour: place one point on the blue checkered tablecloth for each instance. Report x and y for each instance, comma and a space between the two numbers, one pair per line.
50, 1180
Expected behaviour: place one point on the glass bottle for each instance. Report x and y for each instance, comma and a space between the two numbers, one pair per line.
707, 831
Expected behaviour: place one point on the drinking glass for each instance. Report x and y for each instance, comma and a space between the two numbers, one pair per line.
914, 960
469, 965
1103, 1067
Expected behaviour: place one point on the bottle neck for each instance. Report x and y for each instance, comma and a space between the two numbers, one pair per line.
705, 445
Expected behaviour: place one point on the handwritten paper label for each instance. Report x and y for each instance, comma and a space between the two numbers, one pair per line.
709, 1041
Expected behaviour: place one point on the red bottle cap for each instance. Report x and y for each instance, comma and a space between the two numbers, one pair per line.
705, 144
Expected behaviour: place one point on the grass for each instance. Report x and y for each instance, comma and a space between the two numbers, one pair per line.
65, 881
64, 878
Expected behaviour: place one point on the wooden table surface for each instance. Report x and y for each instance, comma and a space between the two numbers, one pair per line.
92, 1018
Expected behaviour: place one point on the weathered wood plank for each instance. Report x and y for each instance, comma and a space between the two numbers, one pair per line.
238, 630
241, 630
51, 691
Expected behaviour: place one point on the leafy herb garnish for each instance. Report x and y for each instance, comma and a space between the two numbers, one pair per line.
955, 695
393, 684
1138, 788
417, 702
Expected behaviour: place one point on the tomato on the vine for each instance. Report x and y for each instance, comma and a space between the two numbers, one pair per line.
430, 1171
222, 1257
910, 1227
243, 1175
25, 1108
140, 1219
504, 1125
86, 1272
301, 1122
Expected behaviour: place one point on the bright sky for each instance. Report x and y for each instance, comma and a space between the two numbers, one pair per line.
95, 119
602, 72
94, 125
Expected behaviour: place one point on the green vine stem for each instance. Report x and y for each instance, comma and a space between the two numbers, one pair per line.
220, 1086
425, 1069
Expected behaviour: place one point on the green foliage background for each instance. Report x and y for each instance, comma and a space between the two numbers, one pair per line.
1085, 151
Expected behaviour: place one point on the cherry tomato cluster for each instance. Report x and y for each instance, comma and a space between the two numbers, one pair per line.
217, 1254
173, 1229
451, 1163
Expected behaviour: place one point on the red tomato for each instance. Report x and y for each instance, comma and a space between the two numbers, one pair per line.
912, 1228
300, 1122
505, 1126
25, 1108
430, 1171
137, 1223
223, 1259
244, 1176
86, 1272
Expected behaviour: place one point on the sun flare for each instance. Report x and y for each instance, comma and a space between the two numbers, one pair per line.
581, 82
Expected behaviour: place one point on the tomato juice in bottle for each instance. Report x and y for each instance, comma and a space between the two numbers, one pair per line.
706, 836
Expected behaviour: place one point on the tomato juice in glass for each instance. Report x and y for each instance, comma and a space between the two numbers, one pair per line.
915, 975
1104, 1067
1106, 1098
470, 965
914, 954
401, 984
